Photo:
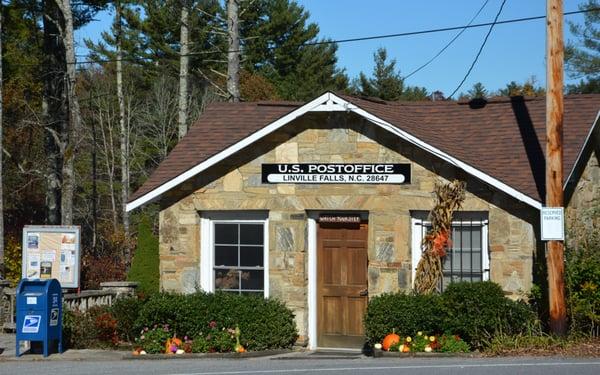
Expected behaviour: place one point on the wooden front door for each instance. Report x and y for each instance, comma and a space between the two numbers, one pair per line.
341, 284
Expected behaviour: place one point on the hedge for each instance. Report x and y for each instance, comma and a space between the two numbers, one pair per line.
264, 323
474, 311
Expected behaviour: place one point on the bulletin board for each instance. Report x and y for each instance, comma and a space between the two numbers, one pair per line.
52, 252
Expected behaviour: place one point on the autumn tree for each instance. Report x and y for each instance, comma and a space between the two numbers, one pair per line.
529, 88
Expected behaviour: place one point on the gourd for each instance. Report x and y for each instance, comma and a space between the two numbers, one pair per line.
238, 347
390, 340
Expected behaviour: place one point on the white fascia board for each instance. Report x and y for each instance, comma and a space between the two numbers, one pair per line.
323, 99
588, 139
333, 103
450, 159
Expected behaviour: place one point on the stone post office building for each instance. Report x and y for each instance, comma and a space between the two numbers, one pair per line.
323, 204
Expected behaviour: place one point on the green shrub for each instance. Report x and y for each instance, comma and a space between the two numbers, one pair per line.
476, 310
404, 313
153, 340
582, 279
125, 311
93, 328
214, 340
264, 323
472, 310
144, 266
452, 344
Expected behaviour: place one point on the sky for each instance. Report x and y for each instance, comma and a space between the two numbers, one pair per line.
513, 52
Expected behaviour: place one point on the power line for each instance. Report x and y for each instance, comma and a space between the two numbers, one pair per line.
480, 50
449, 43
359, 39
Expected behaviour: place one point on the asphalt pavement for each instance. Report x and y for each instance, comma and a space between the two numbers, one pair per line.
292, 364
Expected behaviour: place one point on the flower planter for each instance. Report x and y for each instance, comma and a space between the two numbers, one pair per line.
384, 354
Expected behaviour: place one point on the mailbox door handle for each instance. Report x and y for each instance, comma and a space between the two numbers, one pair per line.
364, 292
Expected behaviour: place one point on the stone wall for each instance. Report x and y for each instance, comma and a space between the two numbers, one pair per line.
580, 219
235, 184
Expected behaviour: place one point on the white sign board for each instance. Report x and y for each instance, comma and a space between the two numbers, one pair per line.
553, 223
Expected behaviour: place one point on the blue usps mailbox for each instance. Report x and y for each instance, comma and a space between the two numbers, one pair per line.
39, 313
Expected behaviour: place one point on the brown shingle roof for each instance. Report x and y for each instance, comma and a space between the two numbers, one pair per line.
503, 137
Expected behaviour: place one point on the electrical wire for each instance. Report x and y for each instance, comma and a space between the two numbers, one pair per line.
359, 39
480, 50
449, 43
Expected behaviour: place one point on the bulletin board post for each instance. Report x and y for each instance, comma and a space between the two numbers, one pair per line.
52, 252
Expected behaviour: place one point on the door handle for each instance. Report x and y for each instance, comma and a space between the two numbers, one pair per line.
364, 292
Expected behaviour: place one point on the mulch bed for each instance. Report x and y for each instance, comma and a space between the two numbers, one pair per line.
583, 348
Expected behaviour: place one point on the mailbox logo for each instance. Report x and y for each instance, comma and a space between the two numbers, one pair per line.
54, 317
31, 323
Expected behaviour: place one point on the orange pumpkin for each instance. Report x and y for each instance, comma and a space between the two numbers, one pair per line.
390, 340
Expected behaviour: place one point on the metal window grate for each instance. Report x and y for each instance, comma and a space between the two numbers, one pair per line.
464, 259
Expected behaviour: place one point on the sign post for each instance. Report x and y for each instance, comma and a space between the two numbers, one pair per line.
554, 155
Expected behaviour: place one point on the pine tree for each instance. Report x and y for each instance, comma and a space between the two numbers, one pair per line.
478, 91
583, 57
273, 32
386, 82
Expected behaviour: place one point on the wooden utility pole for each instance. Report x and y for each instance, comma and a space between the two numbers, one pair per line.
554, 157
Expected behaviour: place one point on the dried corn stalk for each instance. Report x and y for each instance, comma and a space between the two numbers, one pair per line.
449, 198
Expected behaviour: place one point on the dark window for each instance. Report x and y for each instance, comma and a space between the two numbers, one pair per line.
239, 257
465, 259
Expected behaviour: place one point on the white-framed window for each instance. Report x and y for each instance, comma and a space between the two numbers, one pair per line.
468, 257
234, 254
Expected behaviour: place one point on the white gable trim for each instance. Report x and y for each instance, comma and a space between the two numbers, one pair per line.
579, 160
450, 159
328, 102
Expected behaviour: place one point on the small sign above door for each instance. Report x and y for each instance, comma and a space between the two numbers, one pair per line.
341, 218
336, 173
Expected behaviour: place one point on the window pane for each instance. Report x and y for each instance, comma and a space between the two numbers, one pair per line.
251, 256
226, 234
456, 238
466, 260
477, 238
251, 234
456, 260
226, 256
227, 279
252, 280
466, 237
477, 261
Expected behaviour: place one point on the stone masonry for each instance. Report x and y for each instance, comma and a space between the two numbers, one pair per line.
235, 185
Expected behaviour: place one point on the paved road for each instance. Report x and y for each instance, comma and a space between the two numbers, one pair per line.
412, 366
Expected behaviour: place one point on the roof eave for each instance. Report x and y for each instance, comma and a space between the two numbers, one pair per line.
329, 102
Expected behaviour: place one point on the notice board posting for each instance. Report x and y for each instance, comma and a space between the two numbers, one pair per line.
52, 252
